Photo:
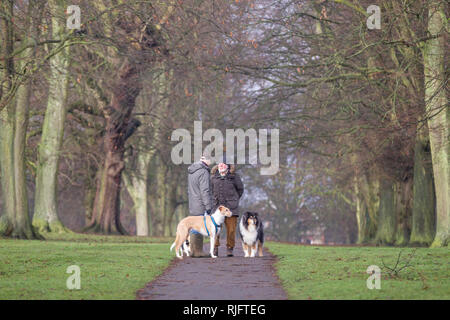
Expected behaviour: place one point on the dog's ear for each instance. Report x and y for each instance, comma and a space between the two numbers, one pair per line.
246, 216
221, 208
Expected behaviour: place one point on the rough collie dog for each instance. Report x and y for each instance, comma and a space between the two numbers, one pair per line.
208, 226
252, 234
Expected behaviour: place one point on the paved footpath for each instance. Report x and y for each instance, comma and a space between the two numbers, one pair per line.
223, 278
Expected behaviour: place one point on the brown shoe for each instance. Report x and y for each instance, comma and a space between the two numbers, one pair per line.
229, 252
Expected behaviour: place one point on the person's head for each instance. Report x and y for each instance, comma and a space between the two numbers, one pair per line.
223, 168
206, 160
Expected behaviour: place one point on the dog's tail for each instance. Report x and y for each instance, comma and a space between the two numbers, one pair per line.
174, 243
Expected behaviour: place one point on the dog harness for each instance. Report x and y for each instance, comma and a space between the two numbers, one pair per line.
214, 222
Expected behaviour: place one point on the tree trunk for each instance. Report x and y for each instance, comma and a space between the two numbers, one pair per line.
404, 213
23, 228
137, 188
6, 122
171, 203
89, 193
423, 226
361, 214
369, 188
7, 170
106, 211
387, 215
14, 121
140, 196
438, 114
403, 208
161, 195
45, 217
154, 94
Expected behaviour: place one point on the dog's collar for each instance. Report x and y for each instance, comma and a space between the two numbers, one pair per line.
213, 221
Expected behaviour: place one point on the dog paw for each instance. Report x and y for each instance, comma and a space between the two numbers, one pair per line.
213, 256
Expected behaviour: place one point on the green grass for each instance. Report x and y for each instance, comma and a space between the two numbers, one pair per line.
316, 272
111, 267
115, 267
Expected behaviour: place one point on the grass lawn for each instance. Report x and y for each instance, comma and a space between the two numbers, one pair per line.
112, 267
315, 272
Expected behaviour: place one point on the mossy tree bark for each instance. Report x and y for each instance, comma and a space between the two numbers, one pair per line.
15, 222
423, 226
45, 217
6, 120
361, 214
438, 114
369, 186
394, 213
387, 214
161, 195
403, 208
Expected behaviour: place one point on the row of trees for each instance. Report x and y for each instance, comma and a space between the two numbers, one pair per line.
100, 106
363, 114
95, 75
368, 107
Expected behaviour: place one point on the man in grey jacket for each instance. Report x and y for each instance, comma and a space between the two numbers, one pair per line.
200, 199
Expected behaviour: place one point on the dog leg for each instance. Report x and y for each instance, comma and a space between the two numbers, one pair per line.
178, 252
245, 247
212, 241
183, 247
182, 235
260, 249
253, 252
176, 244
186, 249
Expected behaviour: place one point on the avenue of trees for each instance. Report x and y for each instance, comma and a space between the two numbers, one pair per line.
86, 115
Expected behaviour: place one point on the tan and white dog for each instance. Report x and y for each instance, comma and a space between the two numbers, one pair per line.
198, 223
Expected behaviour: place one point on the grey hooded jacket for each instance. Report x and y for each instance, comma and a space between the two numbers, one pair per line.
199, 193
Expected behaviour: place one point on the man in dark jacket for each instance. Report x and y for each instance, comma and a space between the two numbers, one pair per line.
227, 189
200, 201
